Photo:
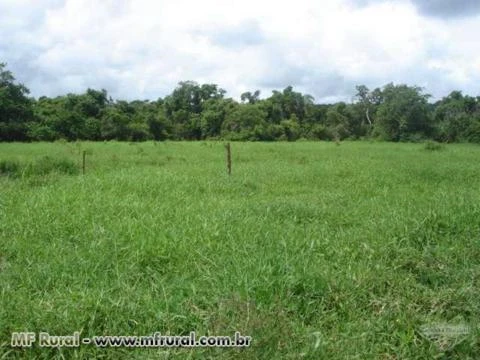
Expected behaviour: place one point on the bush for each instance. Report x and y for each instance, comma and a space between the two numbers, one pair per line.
10, 168
472, 133
46, 165
291, 129
36, 131
432, 146
39, 167
321, 132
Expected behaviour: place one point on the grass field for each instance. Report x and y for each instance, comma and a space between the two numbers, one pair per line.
315, 250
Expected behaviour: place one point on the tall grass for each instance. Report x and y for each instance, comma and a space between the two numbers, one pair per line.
317, 251
38, 167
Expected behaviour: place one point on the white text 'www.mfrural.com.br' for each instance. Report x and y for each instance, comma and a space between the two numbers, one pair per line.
44, 339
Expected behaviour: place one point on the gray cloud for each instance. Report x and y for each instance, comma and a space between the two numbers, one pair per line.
445, 9
19, 43
324, 86
448, 8
142, 49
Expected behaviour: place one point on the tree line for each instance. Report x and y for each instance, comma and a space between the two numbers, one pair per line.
202, 111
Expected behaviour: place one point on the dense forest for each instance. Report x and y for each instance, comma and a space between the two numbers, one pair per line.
194, 112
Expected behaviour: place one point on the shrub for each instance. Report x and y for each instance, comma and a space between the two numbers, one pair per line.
472, 133
321, 132
39, 167
46, 165
432, 145
10, 168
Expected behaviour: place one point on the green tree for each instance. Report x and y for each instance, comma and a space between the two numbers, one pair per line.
114, 124
365, 102
159, 126
291, 129
338, 122
244, 123
16, 109
403, 113
248, 97
213, 115
184, 106
456, 118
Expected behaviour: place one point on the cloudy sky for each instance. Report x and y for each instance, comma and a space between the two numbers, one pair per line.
140, 49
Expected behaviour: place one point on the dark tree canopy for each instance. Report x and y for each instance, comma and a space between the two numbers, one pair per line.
201, 111
15, 107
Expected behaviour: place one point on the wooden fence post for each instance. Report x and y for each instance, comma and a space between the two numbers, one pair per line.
83, 162
229, 158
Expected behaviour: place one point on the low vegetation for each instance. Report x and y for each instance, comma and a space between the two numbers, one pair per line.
39, 167
315, 250
433, 145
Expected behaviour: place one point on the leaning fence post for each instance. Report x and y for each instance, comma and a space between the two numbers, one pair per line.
83, 161
229, 158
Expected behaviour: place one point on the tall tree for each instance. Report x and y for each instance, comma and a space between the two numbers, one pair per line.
403, 113
15, 107
248, 97
245, 122
457, 118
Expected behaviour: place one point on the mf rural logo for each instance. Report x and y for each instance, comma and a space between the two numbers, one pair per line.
445, 335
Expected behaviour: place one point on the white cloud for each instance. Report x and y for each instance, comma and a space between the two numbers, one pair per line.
142, 49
